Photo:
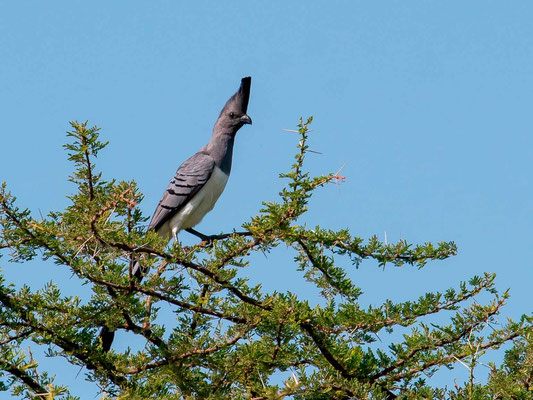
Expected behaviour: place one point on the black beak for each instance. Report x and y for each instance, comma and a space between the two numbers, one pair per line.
245, 119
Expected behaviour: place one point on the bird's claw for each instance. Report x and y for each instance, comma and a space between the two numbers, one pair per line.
207, 240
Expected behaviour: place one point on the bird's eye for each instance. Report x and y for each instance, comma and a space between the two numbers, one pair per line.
232, 114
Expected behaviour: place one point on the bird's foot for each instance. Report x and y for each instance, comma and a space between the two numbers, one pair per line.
207, 240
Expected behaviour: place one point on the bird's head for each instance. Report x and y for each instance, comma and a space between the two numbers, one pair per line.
233, 115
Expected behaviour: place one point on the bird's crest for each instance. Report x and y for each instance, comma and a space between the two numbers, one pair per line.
239, 101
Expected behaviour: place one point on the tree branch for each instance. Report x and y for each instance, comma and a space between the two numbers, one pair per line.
190, 353
88, 166
25, 378
67, 345
160, 296
320, 342
433, 345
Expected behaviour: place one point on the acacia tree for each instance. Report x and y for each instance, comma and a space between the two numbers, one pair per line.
229, 339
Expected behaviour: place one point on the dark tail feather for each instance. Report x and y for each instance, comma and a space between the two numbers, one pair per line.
106, 338
107, 335
138, 271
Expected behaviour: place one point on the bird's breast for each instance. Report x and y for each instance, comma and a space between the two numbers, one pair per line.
202, 202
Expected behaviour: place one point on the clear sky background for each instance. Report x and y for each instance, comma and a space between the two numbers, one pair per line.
428, 105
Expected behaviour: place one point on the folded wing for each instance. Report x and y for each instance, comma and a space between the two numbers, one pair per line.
190, 177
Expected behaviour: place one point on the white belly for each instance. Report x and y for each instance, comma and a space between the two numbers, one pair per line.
203, 202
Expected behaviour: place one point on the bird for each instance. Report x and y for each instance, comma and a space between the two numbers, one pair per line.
197, 184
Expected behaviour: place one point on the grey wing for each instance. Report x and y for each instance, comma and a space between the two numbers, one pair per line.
190, 177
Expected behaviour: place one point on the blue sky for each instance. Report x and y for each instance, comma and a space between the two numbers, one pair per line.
427, 104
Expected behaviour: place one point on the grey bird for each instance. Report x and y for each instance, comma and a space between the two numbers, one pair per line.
198, 182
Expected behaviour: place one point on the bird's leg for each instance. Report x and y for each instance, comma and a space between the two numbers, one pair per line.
175, 236
204, 238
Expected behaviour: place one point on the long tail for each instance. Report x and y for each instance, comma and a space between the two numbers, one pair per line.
107, 335
138, 271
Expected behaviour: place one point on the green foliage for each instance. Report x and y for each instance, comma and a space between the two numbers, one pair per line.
230, 339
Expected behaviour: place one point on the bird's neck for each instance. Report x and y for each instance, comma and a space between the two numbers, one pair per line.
220, 147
